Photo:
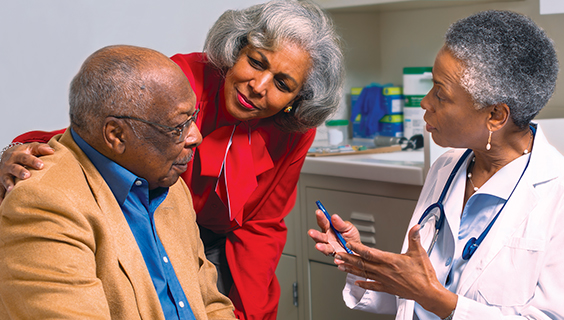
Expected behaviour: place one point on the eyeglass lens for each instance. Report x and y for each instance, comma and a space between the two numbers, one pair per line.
185, 127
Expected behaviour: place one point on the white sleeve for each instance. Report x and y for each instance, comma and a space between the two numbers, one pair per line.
358, 298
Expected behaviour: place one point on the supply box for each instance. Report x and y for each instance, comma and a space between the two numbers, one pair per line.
377, 110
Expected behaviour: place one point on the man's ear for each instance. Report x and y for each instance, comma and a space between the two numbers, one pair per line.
115, 135
498, 116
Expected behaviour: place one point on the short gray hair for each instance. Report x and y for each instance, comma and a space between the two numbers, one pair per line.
272, 24
507, 59
110, 82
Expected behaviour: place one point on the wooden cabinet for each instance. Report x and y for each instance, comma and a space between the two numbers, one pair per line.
381, 210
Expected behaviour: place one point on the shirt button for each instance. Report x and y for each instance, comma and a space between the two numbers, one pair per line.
165, 259
138, 183
447, 263
181, 304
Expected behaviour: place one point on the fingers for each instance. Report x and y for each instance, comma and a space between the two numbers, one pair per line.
41, 149
414, 245
7, 183
370, 285
325, 248
351, 264
2, 193
322, 221
17, 159
29, 155
369, 254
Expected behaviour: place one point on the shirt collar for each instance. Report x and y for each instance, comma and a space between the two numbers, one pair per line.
119, 179
502, 183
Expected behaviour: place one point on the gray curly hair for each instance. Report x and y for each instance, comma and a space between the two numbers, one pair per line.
271, 24
508, 59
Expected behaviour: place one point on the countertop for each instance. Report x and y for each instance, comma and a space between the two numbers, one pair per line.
405, 167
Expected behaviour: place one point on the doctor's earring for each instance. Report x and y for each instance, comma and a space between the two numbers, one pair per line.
288, 109
489, 145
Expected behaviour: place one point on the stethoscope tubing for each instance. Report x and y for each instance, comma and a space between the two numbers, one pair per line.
472, 244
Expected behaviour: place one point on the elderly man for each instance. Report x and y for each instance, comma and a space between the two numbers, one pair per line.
99, 234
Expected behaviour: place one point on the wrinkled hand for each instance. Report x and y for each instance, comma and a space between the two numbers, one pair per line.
325, 241
15, 161
410, 275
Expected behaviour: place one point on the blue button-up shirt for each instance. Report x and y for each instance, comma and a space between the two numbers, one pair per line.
138, 204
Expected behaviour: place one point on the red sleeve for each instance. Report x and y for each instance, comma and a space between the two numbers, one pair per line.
37, 136
258, 244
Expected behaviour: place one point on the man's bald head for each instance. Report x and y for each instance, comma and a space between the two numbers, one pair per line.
118, 80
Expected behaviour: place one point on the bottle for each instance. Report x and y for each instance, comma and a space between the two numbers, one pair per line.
417, 82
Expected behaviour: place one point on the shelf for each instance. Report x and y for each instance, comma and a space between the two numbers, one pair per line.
364, 6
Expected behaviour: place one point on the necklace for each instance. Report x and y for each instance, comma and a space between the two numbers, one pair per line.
471, 166
470, 174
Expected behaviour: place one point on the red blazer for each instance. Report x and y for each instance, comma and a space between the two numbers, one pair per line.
264, 192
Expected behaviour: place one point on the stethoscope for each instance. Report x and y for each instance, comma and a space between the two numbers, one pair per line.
436, 211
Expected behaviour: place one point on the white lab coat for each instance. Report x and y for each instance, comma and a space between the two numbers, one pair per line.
518, 271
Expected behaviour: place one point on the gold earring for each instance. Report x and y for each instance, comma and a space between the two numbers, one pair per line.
489, 145
288, 109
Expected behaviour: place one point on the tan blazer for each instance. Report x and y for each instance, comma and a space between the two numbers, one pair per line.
67, 252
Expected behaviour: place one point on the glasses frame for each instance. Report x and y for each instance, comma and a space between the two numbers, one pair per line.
178, 130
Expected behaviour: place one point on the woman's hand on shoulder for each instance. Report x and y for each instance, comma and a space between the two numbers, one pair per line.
16, 160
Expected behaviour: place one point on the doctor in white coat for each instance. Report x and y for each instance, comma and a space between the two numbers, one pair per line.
486, 240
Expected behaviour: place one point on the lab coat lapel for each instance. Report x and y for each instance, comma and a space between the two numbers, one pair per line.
518, 208
522, 202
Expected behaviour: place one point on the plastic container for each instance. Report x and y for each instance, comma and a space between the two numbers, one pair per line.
417, 82
337, 132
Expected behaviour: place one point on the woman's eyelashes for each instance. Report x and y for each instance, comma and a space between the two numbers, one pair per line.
282, 85
257, 64
261, 66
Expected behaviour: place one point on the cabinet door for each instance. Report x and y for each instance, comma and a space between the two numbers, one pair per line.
382, 221
292, 220
327, 284
288, 279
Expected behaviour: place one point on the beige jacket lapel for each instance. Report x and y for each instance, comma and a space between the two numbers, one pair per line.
129, 255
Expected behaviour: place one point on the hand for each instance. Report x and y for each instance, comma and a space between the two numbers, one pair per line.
410, 275
15, 160
326, 241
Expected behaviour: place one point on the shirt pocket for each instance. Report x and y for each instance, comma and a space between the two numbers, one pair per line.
510, 279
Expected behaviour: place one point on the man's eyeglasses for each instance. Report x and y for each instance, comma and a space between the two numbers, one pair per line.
180, 130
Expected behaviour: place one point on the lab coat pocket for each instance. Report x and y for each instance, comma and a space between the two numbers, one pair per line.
511, 277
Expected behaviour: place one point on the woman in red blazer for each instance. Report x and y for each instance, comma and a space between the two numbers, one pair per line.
270, 74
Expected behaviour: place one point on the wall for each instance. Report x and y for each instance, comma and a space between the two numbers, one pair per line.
413, 37
44, 42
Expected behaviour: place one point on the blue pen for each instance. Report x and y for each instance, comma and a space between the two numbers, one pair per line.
337, 233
